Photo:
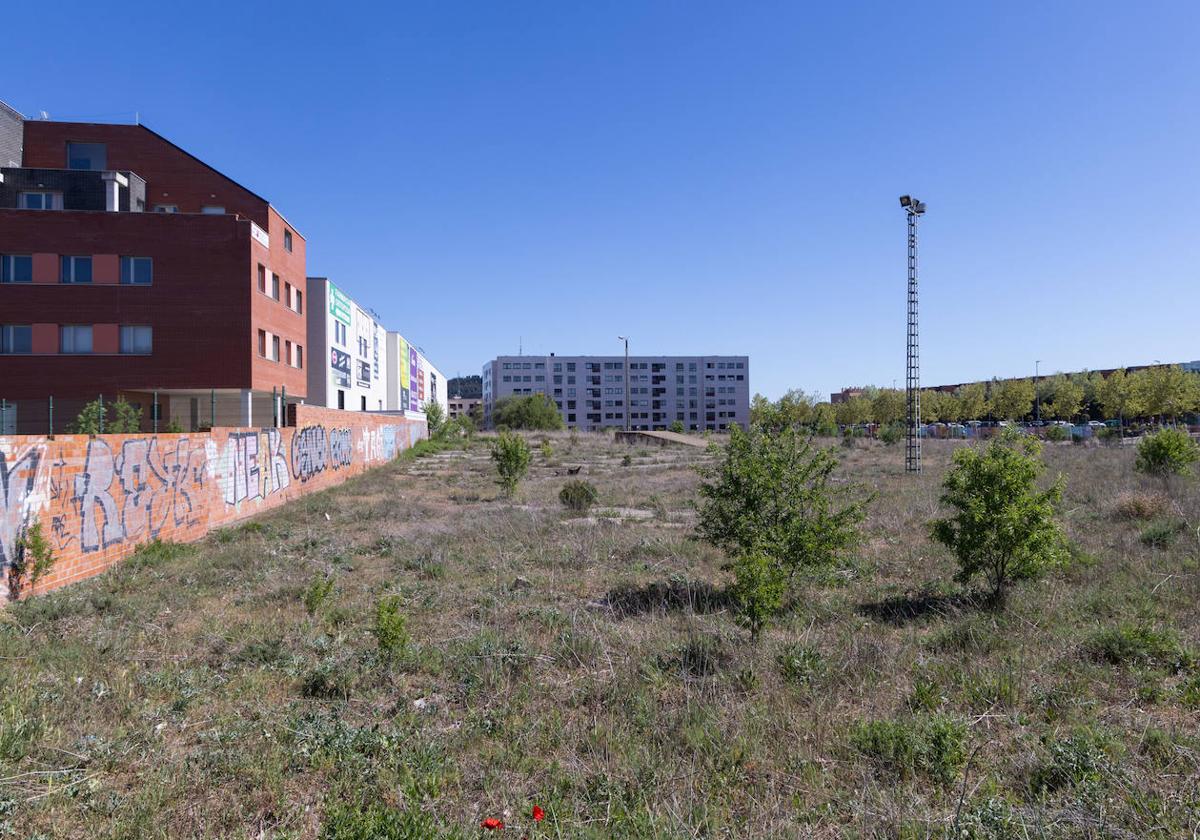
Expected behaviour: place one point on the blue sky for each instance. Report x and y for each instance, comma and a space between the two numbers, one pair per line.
708, 178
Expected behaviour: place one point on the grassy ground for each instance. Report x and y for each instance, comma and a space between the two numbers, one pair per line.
589, 665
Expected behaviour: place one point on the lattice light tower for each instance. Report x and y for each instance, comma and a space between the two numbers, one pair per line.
912, 452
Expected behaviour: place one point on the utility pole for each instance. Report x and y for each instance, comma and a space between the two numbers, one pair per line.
912, 452
625, 338
1037, 392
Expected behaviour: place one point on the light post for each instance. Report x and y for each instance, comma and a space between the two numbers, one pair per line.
912, 454
625, 338
1037, 392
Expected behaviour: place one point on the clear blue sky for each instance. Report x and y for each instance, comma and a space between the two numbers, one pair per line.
708, 178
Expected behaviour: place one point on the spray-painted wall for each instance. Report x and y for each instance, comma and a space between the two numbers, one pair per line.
98, 498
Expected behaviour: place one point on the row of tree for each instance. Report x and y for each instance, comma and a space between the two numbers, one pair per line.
1161, 392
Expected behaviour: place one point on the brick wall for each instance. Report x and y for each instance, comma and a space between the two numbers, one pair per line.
98, 498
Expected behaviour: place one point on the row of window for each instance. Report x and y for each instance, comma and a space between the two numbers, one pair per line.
274, 349
18, 268
76, 339
268, 284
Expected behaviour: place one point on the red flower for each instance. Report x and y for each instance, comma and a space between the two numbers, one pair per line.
492, 824
538, 813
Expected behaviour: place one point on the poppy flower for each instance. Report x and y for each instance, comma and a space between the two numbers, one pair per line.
492, 824
538, 813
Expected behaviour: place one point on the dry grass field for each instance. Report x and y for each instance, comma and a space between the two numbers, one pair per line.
410, 653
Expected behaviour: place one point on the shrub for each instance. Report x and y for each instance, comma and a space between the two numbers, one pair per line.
1002, 527
327, 680
113, 418
799, 664
547, 449
1070, 761
578, 495
1057, 434
702, 655
772, 492
757, 591
317, 593
627, 460
891, 434
677, 427
34, 559
378, 822
390, 627
535, 412
435, 420
1143, 506
1139, 644
1167, 452
511, 454
935, 746
1161, 533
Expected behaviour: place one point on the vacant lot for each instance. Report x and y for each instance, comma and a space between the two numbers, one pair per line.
254, 686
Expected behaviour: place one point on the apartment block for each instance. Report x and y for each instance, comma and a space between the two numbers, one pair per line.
128, 267
701, 392
413, 381
464, 407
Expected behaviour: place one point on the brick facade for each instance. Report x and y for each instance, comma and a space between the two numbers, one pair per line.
99, 498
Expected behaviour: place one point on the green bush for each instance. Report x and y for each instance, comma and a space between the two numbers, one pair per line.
547, 449
1057, 434
1003, 527
1161, 533
317, 593
799, 664
34, 559
578, 495
111, 418
1139, 644
1167, 452
1071, 761
757, 591
512, 456
435, 420
934, 745
677, 427
773, 493
892, 433
390, 627
378, 822
534, 412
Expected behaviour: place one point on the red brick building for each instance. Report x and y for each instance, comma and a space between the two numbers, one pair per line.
129, 267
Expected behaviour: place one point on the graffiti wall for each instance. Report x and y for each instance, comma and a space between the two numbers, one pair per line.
97, 498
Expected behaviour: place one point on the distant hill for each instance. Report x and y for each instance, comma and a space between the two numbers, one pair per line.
469, 387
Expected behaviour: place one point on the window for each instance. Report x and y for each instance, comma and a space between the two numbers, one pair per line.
274, 285
213, 210
342, 400
262, 342
339, 333
76, 270
299, 356
287, 240
166, 208
39, 201
16, 269
364, 403
75, 339
299, 297
287, 294
137, 271
262, 278
137, 340
16, 338
287, 352
275, 348
87, 156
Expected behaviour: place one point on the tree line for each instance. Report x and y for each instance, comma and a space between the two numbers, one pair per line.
1164, 392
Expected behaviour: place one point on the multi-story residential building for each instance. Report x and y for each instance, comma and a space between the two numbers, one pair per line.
351, 373
128, 267
701, 392
465, 407
413, 381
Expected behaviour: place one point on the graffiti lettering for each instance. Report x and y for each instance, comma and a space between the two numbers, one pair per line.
309, 451
275, 476
341, 448
92, 491
16, 487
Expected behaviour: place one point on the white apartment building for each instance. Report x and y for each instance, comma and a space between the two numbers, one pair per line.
412, 380
701, 392
347, 354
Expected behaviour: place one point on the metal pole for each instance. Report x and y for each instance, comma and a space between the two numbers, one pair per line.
3, 413
912, 454
51, 415
283, 398
101, 414
1037, 394
627, 406
212, 409
155, 412
274, 407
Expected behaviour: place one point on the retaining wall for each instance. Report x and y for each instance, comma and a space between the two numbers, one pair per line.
99, 497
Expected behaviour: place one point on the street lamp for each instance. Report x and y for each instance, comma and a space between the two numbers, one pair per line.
912, 455
1037, 394
625, 338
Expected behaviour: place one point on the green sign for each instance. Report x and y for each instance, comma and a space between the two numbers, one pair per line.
339, 305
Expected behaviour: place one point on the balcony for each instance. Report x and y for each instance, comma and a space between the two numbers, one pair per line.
71, 189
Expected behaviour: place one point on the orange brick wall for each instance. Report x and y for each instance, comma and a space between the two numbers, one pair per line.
98, 498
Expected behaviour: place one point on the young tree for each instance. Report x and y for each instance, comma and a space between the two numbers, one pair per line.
824, 419
773, 493
536, 412
1063, 397
1167, 452
512, 456
1002, 526
888, 406
1114, 394
1011, 399
435, 419
119, 418
971, 402
1167, 390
